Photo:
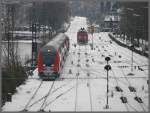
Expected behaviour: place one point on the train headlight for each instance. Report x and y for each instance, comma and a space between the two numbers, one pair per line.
48, 50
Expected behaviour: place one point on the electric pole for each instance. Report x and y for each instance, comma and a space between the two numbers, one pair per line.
34, 36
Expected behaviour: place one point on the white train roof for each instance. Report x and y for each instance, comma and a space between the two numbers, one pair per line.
57, 40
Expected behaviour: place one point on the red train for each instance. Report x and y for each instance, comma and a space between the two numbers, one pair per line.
52, 56
82, 36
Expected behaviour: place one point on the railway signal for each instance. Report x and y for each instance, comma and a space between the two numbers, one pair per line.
107, 68
107, 59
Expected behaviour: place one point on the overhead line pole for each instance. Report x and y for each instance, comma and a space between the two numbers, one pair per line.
1, 34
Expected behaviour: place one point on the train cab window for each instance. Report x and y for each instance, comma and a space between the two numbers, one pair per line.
49, 57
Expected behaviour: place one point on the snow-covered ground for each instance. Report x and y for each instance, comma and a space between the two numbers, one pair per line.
84, 87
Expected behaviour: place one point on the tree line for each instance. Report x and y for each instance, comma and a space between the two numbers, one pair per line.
134, 21
53, 14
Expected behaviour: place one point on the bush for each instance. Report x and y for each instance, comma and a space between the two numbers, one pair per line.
12, 77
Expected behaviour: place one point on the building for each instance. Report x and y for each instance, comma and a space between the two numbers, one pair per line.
111, 23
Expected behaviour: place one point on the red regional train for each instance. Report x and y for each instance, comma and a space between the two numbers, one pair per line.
82, 36
52, 56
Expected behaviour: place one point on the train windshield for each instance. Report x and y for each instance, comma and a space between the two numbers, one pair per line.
48, 57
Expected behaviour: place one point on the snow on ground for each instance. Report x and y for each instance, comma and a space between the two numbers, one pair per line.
84, 89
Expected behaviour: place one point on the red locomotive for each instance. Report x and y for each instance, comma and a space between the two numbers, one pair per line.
82, 36
52, 56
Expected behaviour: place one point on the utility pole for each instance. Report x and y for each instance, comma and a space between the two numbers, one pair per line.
34, 36
7, 31
9, 27
1, 35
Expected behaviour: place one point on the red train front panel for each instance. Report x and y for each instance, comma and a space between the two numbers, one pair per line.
48, 63
50, 60
82, 37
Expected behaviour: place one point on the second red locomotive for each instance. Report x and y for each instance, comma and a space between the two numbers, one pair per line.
82, 36
52, 56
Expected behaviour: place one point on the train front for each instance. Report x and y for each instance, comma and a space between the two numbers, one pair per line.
48, 63
82, 36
